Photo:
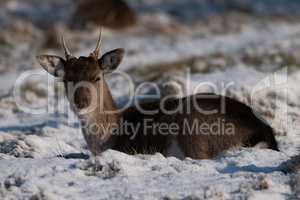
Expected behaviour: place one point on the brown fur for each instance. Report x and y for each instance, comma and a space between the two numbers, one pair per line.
114, 14
248, 129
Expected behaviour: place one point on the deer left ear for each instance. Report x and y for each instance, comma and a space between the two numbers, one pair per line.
54, 65
111, 60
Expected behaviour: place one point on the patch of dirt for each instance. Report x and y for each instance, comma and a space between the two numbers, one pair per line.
106, 171
276, 59
17, 148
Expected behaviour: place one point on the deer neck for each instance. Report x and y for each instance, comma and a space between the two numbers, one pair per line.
97, 125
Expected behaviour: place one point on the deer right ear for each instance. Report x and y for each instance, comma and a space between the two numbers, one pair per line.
54, 65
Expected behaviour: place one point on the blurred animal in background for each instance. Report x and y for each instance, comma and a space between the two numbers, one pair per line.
114, 14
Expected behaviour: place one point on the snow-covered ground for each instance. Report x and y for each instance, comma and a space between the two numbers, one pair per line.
255, 58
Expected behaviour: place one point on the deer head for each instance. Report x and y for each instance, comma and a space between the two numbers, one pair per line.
81, 75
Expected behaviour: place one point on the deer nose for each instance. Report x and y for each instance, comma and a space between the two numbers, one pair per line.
82, 98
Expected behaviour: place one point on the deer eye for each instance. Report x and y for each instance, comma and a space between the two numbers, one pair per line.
97, 79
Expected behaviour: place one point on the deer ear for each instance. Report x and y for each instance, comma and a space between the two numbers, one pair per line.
54, 65
111, 60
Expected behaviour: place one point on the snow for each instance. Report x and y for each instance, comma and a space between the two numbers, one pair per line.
149, 177
31, 145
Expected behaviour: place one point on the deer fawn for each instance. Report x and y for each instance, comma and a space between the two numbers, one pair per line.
171, 129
